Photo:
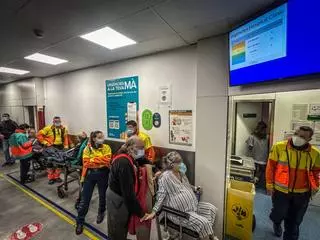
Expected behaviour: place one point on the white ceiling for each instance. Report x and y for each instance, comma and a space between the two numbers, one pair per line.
156, 25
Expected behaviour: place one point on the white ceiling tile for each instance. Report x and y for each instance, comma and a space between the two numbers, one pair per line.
184, 15
142, 27
63, 21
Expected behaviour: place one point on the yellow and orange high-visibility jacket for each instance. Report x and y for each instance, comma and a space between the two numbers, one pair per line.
149, 149
292, 170
95, 158
51, 135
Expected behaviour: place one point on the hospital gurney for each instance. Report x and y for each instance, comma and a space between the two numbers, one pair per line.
68, 162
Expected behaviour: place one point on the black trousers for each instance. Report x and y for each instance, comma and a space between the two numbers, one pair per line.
94, 177
24, 169
291, 208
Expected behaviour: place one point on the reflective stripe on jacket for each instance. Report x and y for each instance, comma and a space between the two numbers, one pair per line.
51, 135
291, 170
95, 158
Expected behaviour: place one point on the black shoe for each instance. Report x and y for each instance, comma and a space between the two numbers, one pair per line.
51, 181
100, 218
58, 180
277, 229
79, 228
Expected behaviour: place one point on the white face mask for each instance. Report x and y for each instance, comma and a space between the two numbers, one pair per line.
99, 141
5, 118
57, 124
140, 154
298, 141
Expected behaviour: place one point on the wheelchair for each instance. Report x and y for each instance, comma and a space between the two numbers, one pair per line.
172, 230
177, 228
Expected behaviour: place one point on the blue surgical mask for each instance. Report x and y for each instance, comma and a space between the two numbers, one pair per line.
130, 132
182, 168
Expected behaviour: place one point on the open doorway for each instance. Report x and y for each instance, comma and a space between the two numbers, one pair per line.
283, 113
30, 115
248, 150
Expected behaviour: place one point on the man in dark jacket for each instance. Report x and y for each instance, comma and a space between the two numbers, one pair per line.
7, 128
122, 202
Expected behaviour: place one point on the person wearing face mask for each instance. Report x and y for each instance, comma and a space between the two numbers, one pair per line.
132, 130
96, 164
292, 177
21, 148
122, 195
55, 135
175, 191
7, 128
257, 148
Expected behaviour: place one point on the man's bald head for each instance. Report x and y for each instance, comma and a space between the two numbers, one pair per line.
132, 145
135, 140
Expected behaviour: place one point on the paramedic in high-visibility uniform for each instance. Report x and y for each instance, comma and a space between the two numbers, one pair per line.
132, 129
55, 135
292, 176
96, 164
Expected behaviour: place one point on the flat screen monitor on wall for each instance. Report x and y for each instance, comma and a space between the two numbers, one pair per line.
282, 43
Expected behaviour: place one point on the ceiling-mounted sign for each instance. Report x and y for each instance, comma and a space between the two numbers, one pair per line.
156, 120
147, 121
165, 95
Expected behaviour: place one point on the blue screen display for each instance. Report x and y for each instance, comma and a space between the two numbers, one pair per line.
283, 43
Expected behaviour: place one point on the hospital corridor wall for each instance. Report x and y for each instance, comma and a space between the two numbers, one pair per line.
198, 77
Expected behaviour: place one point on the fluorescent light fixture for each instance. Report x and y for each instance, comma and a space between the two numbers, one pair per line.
38, 57
109, 38
13, 71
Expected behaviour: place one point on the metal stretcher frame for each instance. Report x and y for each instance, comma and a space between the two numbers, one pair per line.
177, 227
68, 168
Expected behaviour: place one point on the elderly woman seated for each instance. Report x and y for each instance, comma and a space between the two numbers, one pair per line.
176, 192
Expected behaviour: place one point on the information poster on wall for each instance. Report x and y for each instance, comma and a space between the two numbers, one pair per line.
300, 112
180, 127
122, 104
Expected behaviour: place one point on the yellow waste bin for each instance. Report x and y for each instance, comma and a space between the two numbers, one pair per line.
240, 203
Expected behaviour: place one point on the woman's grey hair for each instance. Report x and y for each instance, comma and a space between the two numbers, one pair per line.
170, 159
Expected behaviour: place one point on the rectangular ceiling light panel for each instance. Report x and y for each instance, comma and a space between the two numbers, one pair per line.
38, 57
13, 71
108, 38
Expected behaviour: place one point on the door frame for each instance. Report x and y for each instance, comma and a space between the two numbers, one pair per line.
234, 119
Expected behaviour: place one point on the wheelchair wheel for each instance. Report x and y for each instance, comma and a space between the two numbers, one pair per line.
61, 193
254, 223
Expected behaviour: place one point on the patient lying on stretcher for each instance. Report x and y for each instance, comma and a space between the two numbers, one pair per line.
175, 191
